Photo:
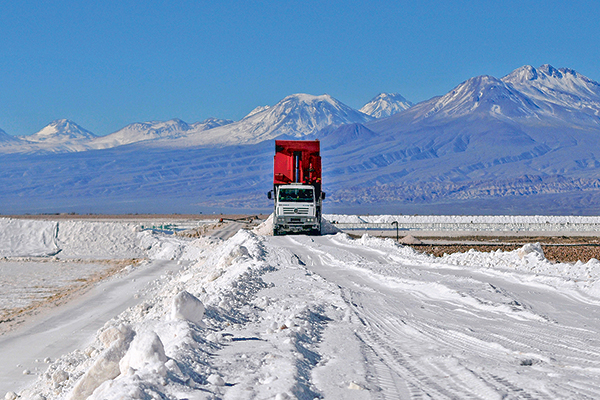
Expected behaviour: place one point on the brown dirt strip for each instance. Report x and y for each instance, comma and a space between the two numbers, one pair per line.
10, 319
556, 252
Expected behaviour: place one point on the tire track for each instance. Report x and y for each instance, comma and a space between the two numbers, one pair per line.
456, 333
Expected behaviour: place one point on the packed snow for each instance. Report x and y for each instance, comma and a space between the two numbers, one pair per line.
258, 316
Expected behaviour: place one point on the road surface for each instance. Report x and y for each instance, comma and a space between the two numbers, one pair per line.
430, 330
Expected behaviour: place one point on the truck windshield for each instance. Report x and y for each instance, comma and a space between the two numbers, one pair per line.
303, 195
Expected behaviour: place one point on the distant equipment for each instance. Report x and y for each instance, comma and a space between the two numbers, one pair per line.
297, 187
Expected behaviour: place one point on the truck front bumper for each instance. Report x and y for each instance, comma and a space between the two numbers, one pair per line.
296, 225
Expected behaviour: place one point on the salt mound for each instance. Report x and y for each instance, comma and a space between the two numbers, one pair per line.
146, 351
28, 238
532, 250
266, 228
187, 307
106, 366
327, 228
410, 239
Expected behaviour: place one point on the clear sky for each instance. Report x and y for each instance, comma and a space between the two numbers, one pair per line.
108, 63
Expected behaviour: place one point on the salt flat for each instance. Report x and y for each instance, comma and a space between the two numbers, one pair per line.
257, 316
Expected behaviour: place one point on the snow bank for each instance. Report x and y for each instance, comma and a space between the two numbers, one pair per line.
165, 347
91, 240
327, 228
106, 365
146, 352
28, 238
87, 239
162, 247
530, 260
187, 307
69, 239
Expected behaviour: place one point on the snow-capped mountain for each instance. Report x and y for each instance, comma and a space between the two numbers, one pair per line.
562, 86
386, 104
481, 94
59, 136
296, 116
8, 142
66, 136
60, 131
540, 96
155, 130
141, 131
559, 93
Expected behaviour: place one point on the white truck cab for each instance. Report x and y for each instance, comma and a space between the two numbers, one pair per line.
296, 210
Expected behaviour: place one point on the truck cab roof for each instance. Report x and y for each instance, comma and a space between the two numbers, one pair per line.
295, 186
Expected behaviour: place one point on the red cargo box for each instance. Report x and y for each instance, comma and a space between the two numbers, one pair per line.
297, 161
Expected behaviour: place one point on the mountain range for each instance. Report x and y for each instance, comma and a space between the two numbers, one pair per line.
296, 116
521, 144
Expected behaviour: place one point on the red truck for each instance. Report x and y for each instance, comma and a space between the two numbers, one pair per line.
297, 187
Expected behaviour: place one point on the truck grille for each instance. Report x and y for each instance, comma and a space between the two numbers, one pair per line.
295, 210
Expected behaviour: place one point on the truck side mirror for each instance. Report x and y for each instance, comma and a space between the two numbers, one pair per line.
322, 195
269, 194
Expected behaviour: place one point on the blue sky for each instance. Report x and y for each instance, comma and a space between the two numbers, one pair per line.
110, 63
